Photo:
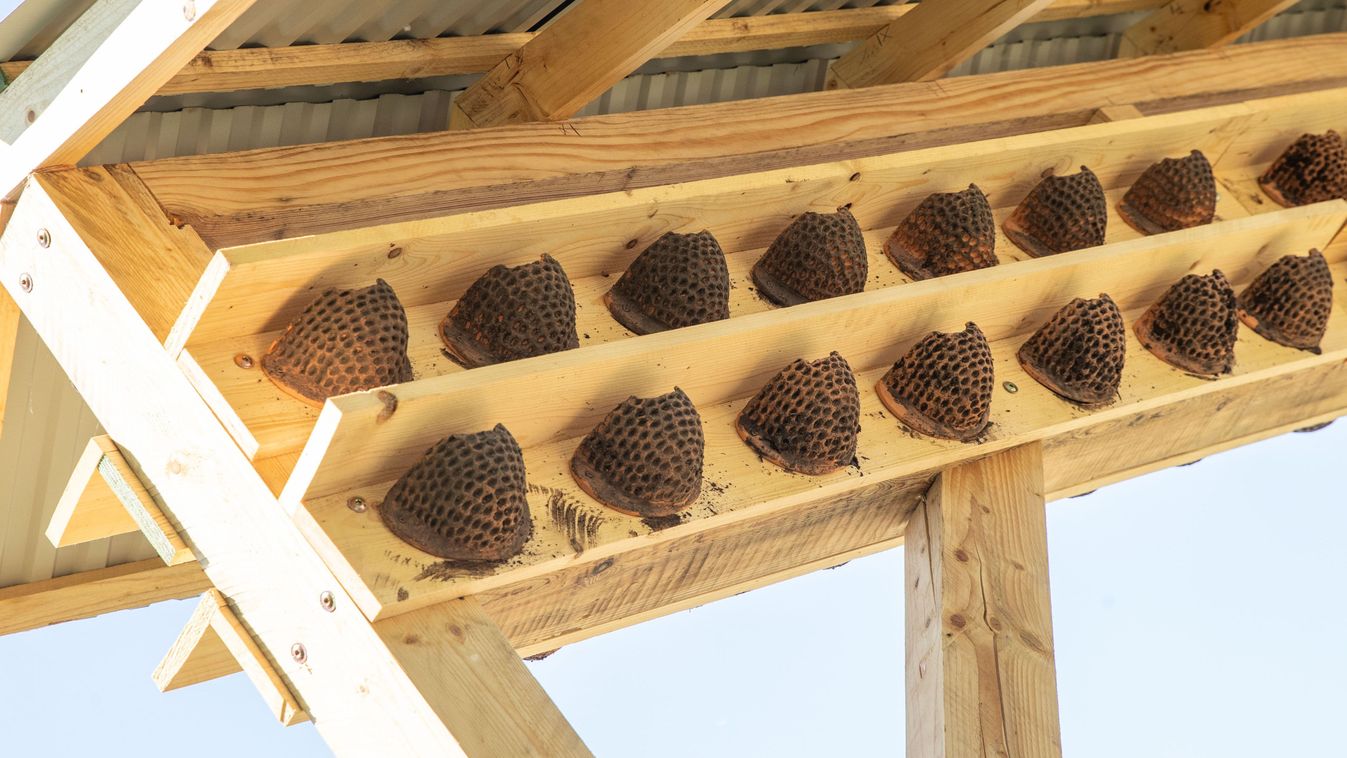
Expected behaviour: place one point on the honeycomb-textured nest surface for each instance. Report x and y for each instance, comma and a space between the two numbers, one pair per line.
645, 457
947, 233
942, 387
1176, 193
1313, 169
1079, 352
820, 255
512, 313
806, 418
1290, 302
345, 341
1193, 325
465, 500
680, 280
1060, 214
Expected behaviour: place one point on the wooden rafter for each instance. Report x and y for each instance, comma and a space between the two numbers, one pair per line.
926, 43
574, 60
1196, 24
93, 593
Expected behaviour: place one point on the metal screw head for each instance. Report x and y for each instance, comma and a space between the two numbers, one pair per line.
1010, 387
298, 652
26, 282
189, 10
357, 504
243, 361
328, 602
44, 238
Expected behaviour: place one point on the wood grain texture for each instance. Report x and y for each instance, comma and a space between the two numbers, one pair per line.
93, 593
237, 198
10, 318
587, 49
1180, 25
88, 508
981, 675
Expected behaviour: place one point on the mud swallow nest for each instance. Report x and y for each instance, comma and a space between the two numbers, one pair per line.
1193, 326
947, 233
1313, 169
1079, 352
465, 500
820, 255
1060, 214
806, 418
1176, 193
680, 280
512, 313
345, 341
1290, 302
645, 457
942, 387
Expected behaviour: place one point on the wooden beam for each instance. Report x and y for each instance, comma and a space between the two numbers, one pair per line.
930, 41
10, 318
302, 65
97, 73
1196, 24
213, 644
586, 50
235, 198
105, 497
981, 676
92, 593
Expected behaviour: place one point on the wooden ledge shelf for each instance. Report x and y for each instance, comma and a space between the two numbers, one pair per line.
105, 497
549, 402
214, 643
249, 293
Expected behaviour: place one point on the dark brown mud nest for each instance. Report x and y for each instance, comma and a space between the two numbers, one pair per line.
465, 500
1176, 193
645, 457
806, 418
942, 387
1060, 214
1313, 169
1290, 302
949, 232
512, 313
680, 280
345, 341
820, 255
1193, 326
1079, 352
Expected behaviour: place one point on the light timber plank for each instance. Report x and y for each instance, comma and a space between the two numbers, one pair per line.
930, 41
97, 73
92, 593
981, 676
213, 644
236, 198
10, 318
586, 50
1195, 24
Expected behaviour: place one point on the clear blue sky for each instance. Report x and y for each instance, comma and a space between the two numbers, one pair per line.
1197, 610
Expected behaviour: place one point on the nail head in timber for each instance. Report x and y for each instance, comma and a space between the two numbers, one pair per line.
465, 500
1173, 194
511, 313
1060, 214
1290, 302
1313, 169
344, 341
820, 255
1079, 352
947, 233
943, 386
645, 457
1193, 326
680, 280
806, 418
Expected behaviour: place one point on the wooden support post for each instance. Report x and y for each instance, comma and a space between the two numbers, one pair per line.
1194, 24
585, 51
980, 673
929, 41
215, 644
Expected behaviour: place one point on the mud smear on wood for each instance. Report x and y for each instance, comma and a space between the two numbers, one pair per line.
656, 523
448, 570
579, 523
